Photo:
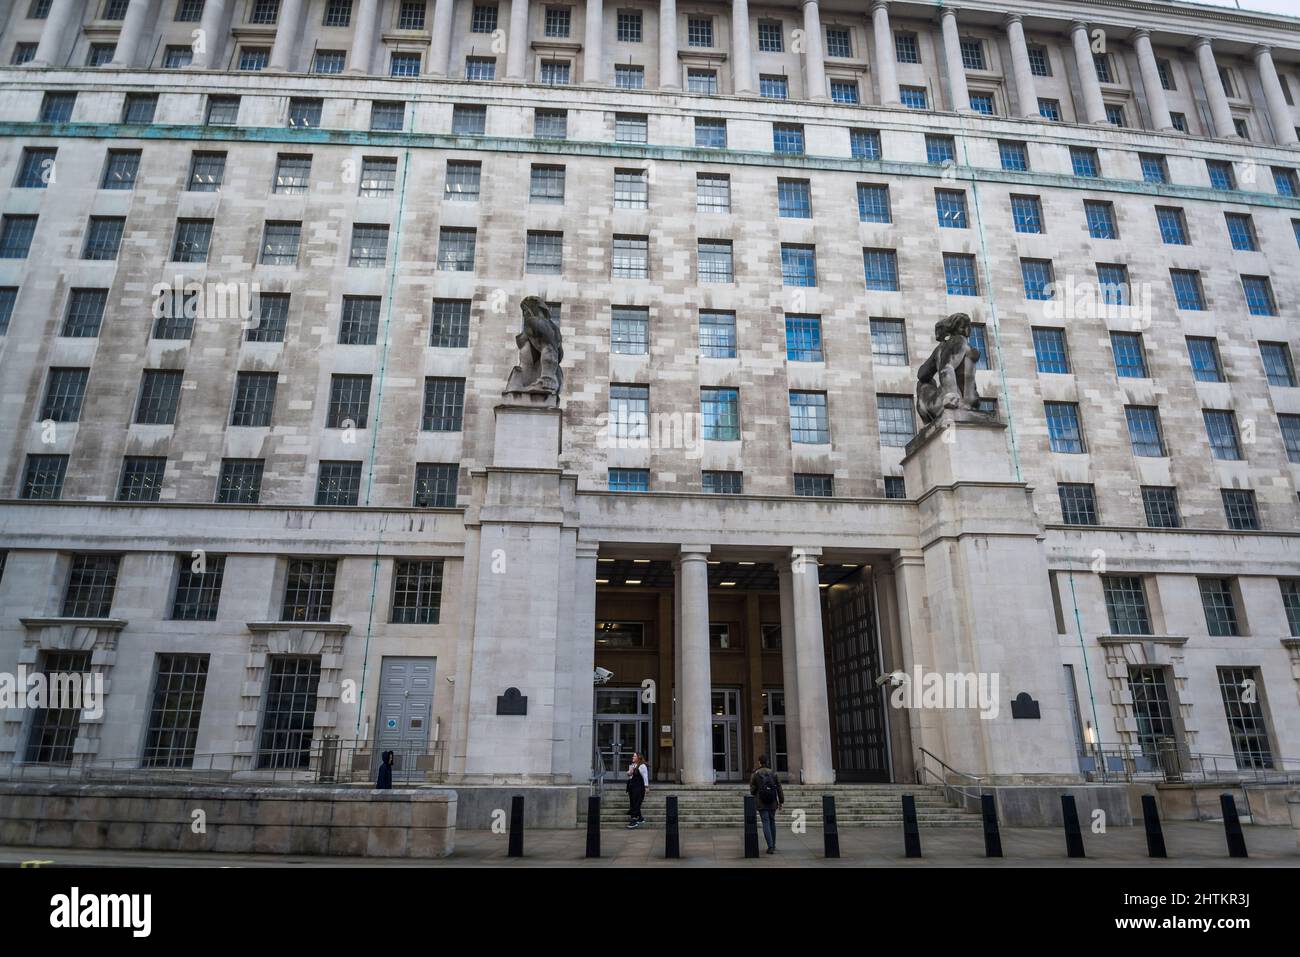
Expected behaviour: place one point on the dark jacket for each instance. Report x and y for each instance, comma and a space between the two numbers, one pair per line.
385, 781
755, 784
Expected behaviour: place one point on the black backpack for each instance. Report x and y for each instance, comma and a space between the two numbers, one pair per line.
768, 793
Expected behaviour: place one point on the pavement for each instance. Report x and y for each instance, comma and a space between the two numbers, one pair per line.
1190, 844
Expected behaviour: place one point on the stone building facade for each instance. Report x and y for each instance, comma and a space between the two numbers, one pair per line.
304, 509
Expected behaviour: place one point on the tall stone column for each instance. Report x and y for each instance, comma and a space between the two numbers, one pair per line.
742, 69
212, 29
695, 702
54, 35
789, 669
1220, 112
1024, 74
814, 57
127, 53
670, 74
810, 660
958, 93
892, 639
286, 36
444, 12
517, 42
1278, 111
593, 47
1157, 102
886, 71
581, 668
1094, 107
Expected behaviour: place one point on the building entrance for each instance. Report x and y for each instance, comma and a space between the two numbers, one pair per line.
622, 729
726, 734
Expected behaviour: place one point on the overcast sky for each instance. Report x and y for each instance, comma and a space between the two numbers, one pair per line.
1287, 7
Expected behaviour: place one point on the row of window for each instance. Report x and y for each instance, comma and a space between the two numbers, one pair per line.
1129, 613
1078, 502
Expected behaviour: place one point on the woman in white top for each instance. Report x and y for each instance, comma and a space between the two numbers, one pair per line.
638, 783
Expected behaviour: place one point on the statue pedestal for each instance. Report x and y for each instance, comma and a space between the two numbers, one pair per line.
529, 430
980, 605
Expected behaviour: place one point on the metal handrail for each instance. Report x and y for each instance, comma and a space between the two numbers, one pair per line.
964, 794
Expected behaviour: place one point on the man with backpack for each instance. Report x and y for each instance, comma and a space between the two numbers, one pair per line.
766, 788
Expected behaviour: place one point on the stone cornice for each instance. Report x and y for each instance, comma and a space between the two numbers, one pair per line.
105, 624
1113, 640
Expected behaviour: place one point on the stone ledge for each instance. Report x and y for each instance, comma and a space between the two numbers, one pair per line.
1142, 639
108, 624
332, 627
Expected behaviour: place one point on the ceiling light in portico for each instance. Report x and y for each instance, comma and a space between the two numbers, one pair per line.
602, 581
640, 561
744, 563
726, 584
632, 581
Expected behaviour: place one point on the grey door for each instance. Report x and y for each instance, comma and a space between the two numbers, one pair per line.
405, 710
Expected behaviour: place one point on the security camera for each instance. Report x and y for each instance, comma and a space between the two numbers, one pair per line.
602, 675
451, 679
894, 678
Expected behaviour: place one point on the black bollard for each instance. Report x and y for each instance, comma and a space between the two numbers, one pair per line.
992, 839
911, 833
672, 844
516, 827
1073, 839
593, 826
1155, 836
751, 828
1232, 827
830, 826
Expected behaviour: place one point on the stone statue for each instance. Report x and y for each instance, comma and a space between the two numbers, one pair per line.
947, 379
540, 351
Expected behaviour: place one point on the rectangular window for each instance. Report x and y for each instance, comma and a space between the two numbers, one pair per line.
940, 149
289, 712
121, 169
865, 144
444, 404
1144, 432
1240, 509
631, 189
1078, 503
895, 487
1241, 231
1204, 354
1115, 115
1291, 602
721, 483
369, 248
100, 54
1285, 181
1126, 605
710, 133
305, 113
629, 26
1101, 219
36, 169
555, 72
714, 261
544, 253
450, 325
65, 392
983, 103
1289, 424
404, 64
240, 482
906, 47
1154, 168
1063, 429
546, 185
880, 269
8, 297
701, 80
1221, 428
1084, 161
387, 115
699, 31
43, 476
845, 91
794, 198
839, 42
1173, 225
631, 128
787, 138
56, 107
888, 342
1027, 214
222, 110
280, 244
272, 317
1179, 120
803, 338
1049, 109
92, 580
417, 591
1220, 609
193, 238
177, 58
23, 53
1049, 351
378, 176
629, 76
338, 483
895, 420
873, 203
630, 258
338, 13
329, 61
456, 249
628, 480
814, 486
629, 411
1259, 299
254, 399
720, 415
550, 124
972, 54
52, 736
349, 404
712, 193
1221, 175
629, 330
160, 394
1152, 710
769, 37
1247, 726
1038, 278
85, 313
142, 478
1160, 502
960, 274
435, 485
798, 265
468, 120
950, 207
173, 729
1014, 156
292, 174
808, 420
1187, 289
264, 11
103, 237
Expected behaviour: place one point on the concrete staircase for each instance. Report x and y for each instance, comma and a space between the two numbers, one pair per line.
722, 806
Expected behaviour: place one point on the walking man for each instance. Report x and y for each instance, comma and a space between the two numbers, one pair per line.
766, 788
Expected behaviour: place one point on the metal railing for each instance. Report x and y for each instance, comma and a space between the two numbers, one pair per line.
597, 773
1169, 764
328, 760
959, 787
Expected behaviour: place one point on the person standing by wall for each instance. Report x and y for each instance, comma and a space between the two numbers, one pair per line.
385, 780
638, 783
766, 788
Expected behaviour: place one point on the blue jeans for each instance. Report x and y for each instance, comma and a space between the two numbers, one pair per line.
767, 816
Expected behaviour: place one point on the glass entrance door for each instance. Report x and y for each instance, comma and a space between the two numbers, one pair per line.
622, 728
726, 734
774, 728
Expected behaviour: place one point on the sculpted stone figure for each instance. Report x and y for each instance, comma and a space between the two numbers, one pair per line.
540, 351
946, 380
